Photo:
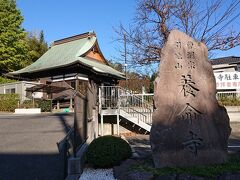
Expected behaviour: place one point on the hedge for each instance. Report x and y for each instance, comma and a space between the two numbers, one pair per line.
229, 101
107, 151
45, 105
9, 102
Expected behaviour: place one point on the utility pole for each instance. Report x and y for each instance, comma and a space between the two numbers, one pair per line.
125, 56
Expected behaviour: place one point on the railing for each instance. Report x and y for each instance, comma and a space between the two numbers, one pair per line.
109, 96
146, 97
228, 94
136, 105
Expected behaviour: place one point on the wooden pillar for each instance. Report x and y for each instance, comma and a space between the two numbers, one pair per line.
77, 117
75, 127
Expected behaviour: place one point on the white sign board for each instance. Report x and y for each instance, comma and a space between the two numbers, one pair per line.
37, 95
227, 80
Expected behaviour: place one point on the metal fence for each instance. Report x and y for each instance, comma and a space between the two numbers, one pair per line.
137, 105
234, 95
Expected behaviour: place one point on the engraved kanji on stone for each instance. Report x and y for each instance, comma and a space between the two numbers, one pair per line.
178, 55
188, 86
178, 44
189, 113
191, 65
191, 55
190, 44
193, 143
178, 66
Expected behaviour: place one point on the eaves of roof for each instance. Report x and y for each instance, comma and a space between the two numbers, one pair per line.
226, 60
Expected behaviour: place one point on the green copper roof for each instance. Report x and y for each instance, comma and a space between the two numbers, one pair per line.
68, 53
101, 68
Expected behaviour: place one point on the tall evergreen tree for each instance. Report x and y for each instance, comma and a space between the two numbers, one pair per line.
13, 47
36, 46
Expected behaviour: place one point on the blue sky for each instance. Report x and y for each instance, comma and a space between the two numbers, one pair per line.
62, 18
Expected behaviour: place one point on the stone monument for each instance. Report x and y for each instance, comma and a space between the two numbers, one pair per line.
189, 126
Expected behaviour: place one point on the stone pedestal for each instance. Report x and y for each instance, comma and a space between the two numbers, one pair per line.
189, 127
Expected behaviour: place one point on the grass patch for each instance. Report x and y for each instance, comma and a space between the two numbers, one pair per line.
211, 171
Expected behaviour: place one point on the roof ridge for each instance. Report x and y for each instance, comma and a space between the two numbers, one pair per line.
74, 38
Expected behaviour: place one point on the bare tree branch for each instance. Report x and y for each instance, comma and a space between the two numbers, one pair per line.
209, 21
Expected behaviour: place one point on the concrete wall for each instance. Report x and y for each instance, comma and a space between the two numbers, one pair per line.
233, 113
111, 129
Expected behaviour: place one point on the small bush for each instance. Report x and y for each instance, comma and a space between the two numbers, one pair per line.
8, 102
45, 105
26, 104
107, 151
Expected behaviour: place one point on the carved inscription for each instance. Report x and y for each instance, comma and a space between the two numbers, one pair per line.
193, 143
188, 85
190, 55
189, 113
178, 66
191, 65
188, 88
178, 54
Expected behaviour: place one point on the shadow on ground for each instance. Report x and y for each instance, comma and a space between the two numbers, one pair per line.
31, 166
28, 149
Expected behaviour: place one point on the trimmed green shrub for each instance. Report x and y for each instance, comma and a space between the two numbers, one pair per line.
229, 101
45, 105
9, 102
107, 151
26, 104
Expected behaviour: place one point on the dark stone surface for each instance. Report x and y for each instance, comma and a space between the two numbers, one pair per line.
189, 127
229, 176
190, 177
166, 177
137, 175
121, 172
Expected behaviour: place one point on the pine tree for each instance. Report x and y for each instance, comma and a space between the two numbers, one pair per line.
13, 47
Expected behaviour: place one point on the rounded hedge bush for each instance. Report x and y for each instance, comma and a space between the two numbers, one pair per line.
107, 151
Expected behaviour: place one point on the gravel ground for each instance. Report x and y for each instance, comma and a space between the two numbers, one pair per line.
97, 174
